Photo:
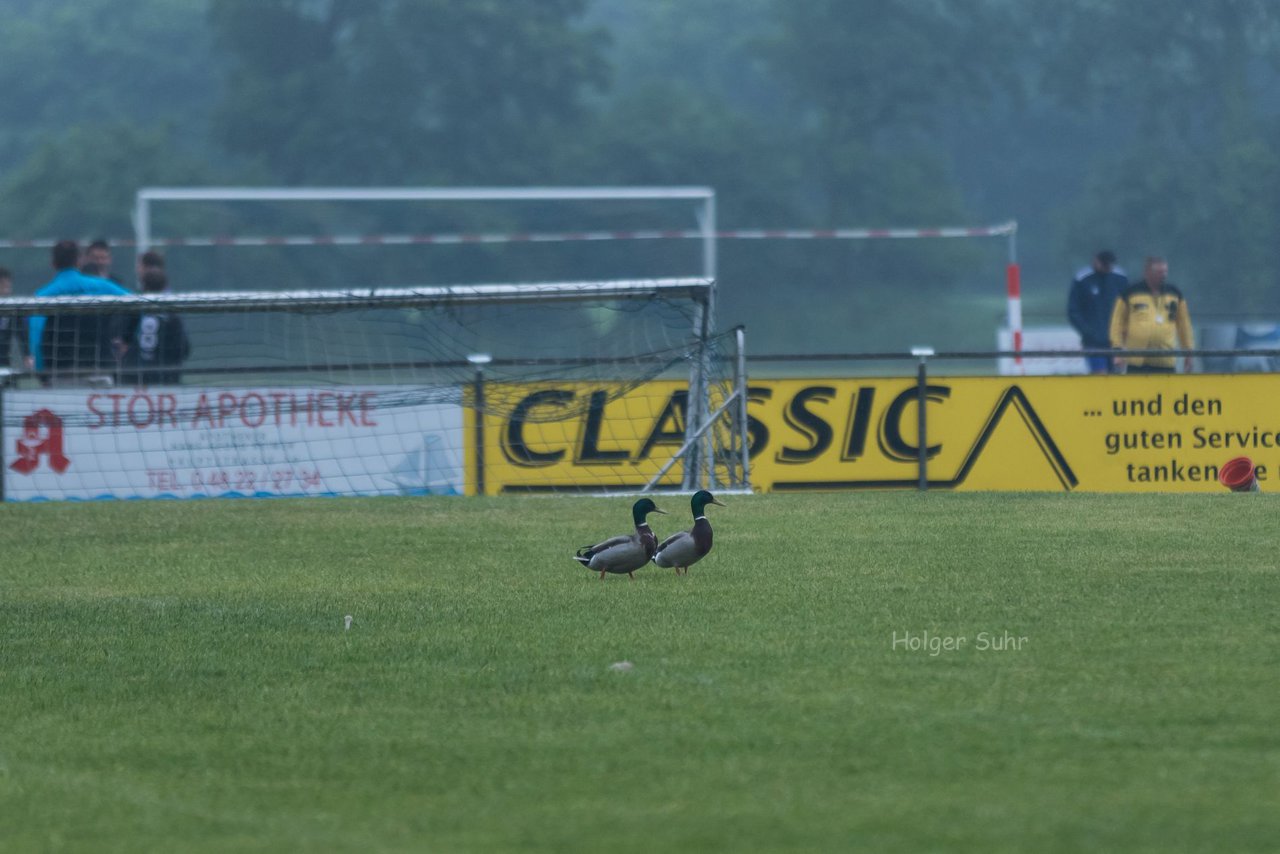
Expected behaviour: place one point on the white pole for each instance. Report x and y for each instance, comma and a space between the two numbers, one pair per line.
141, 223
744, 434
441, 194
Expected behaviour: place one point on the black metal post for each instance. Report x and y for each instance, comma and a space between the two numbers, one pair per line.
478, 388
922, 439
3, 386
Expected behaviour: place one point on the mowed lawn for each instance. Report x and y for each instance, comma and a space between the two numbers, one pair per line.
176, 676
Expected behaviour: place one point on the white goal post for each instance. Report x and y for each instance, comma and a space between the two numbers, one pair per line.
704, 321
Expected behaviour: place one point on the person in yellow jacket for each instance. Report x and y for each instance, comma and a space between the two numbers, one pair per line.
1152, 315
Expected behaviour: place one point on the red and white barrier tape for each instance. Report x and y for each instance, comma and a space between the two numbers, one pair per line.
550, 237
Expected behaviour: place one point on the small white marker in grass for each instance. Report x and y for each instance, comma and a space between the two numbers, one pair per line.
347, 621
621, 666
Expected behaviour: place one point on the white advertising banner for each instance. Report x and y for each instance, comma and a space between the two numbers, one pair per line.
184, 442
1062, 338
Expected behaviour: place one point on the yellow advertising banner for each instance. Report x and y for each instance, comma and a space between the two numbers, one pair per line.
574, 435
1094, 433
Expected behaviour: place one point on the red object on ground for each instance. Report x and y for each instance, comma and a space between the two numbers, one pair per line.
1237, 475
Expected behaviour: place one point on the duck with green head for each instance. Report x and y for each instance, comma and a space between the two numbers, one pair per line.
686, 548
625, 552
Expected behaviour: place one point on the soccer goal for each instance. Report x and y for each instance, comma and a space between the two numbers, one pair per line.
608, 385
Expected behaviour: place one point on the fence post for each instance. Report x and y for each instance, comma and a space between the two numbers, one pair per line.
3, 386
922, 440
740, 384
479, 360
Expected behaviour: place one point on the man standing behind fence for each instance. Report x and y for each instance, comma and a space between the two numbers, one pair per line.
96, 261
13, 329
148, 261
1090, 304
156, 343
1152, 315
73, 347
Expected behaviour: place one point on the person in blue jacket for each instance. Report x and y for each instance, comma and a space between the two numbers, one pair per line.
1093, 297
67, 345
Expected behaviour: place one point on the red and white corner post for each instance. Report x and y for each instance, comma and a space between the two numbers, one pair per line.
1013, 283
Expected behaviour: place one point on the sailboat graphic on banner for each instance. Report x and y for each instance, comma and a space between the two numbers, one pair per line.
427, 470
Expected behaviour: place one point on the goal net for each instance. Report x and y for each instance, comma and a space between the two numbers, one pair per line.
614, 385
352, 368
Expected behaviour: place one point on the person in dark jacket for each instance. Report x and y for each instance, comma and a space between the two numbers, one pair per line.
156, 344
1093, 297
13, 329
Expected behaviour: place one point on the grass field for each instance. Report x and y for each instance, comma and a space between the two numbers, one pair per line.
176, 676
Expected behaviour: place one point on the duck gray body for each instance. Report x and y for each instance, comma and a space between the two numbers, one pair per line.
624, 553
620, 554
682, 550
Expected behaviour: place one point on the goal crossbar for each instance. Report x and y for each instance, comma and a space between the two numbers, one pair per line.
425, 194
696, 289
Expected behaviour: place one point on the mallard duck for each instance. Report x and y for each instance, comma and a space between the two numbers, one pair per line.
626, 552
686, 548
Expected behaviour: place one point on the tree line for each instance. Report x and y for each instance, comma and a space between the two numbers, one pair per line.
1138, 125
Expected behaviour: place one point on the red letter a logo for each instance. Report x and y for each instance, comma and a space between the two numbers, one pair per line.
41, 434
